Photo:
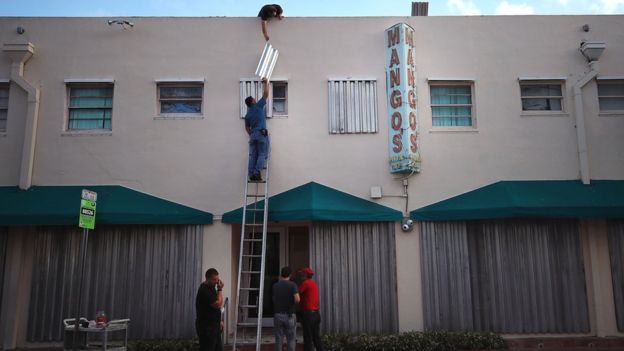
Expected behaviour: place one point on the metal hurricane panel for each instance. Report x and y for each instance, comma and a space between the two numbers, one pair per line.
267, 62
616, 254
352, 106
355, 269
402, 99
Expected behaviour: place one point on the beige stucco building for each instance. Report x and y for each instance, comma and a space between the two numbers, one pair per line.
156, 108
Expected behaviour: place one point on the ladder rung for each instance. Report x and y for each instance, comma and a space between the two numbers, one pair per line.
252, 255
255, 209
250, 289
251, 272
247, 324
256, 240
255, 195
248, 306
254, 224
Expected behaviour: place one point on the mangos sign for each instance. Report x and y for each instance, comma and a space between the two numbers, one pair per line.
402, 99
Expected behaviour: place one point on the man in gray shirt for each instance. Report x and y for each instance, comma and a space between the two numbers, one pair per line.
285, 296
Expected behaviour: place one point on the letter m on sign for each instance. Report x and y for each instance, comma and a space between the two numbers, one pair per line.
394, 36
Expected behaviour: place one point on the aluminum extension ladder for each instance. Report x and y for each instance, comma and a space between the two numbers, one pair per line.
252, 258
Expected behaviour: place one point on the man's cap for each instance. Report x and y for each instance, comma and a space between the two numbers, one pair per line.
307, 270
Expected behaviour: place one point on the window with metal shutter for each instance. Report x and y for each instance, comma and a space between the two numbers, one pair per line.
352, 106
278, 91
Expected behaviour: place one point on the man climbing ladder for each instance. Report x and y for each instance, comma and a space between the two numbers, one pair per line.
255, 125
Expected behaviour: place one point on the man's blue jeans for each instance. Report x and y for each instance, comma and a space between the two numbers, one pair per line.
258, 152
285, 325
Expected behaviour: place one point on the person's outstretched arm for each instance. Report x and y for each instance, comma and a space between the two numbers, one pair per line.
264, 30
265, 88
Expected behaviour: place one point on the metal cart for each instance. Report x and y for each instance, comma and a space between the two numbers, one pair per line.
103, 333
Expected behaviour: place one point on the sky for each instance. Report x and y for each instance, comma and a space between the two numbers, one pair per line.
303, 8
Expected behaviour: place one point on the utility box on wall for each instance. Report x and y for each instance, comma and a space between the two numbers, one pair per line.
402, 99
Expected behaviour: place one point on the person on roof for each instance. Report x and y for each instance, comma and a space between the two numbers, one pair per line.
267, 12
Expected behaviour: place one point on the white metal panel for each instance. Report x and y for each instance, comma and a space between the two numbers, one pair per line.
267, 61
352, 106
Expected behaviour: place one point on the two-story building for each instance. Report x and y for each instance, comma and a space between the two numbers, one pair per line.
515, 139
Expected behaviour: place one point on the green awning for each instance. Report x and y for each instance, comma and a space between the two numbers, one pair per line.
534, 199
316, 202
60, 205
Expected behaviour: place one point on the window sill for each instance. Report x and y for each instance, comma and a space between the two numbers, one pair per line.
453, 130
611, 114
178, 116
87, 133
544, 114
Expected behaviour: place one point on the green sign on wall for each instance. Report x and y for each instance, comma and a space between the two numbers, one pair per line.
87, 209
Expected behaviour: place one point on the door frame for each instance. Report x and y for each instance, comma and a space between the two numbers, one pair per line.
282, 232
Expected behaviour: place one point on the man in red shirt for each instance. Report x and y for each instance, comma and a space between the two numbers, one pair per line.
310, 316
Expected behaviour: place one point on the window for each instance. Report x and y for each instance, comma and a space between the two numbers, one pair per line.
451, 104
90, 106
279, 98
541, 96
277, 104
352, 106
180, 99
4, 106
611, 95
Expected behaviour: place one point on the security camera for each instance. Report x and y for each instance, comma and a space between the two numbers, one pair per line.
407, 224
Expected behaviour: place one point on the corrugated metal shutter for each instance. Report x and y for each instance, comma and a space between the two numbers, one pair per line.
149, 274
446, 280
4, 237
355, 265
616, 252
507, 276
254, 88
352, 106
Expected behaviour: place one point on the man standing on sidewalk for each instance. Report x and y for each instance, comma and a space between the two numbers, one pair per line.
255, 125
208, 305
310, 315
285, 296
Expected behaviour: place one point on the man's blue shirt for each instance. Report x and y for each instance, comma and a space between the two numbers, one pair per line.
255, 119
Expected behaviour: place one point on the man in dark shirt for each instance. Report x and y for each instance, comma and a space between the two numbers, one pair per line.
285, 296
208, 305
310, 316
255, 125
266, 13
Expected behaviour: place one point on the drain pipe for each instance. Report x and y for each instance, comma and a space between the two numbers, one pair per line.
19, 54
592, 51
579, 113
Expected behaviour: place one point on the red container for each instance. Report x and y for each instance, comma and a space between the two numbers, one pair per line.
100, 319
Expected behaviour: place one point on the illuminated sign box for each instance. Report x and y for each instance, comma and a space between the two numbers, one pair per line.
402, 99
